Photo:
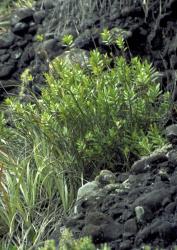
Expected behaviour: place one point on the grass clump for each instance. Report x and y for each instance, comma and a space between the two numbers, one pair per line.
6, 6
29, 208
87, 118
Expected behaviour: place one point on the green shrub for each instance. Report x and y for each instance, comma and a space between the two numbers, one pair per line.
85, 117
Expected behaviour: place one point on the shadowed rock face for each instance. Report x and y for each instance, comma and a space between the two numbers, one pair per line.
138, 208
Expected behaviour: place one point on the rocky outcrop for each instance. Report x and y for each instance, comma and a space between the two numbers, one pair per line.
130, 210
151, 34
20, 48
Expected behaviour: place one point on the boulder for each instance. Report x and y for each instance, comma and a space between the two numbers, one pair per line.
20, 28
6, 69
72, 57
171, 134
6, 40
22, 15
39, 16
48, 4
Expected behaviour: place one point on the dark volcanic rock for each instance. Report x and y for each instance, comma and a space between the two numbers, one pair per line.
130, 226
4, 58
48, 4
27, 56
53, 47
171, 134
23, 15
39, 16
101, 228
159, 229
139, 210
152, 200
20, 28
6, 70
126, 245
6, 40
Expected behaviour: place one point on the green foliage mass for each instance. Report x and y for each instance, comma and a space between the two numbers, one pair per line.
67, 242
87, 115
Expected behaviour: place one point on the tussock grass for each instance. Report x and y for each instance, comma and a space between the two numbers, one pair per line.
29, 205
71, 15
74, 13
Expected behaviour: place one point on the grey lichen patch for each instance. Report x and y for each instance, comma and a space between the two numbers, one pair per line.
144, 164
171, 134
106, 177
139, 211
72, 57
162, 150
116, 32
113, 187
87, 190
94, 188
103, 183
